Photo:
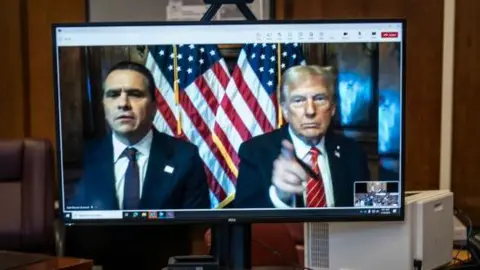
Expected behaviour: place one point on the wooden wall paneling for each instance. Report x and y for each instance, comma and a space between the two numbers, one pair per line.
465, 182
40, 16
331, 9
343, 9
423, 68
72, 89
424, 93
93, 55
280, 12
12, 87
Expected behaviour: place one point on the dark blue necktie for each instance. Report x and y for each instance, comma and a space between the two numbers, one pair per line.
131, 192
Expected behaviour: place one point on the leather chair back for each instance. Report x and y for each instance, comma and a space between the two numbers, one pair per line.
26, 195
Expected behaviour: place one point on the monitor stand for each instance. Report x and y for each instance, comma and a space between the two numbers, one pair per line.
230, 243
230, 249
215, 6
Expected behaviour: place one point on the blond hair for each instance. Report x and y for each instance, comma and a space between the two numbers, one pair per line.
302, 73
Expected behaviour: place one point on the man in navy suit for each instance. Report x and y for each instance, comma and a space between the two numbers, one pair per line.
303, 164
135, 167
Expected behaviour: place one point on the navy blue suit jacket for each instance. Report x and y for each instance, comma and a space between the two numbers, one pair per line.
184, 188
256, 166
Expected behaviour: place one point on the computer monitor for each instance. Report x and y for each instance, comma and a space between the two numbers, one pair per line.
207, 106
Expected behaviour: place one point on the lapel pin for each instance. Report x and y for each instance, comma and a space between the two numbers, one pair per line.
337, 154
168, 169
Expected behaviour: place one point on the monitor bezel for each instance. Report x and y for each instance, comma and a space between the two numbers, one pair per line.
257, 218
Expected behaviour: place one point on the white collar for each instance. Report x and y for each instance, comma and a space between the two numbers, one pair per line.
142, 146
301, 148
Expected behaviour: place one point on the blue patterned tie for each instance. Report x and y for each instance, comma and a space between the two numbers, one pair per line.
131, 192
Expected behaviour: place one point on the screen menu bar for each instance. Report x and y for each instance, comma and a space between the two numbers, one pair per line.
227, 34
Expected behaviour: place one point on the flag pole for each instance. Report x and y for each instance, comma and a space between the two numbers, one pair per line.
279, 81
176, 91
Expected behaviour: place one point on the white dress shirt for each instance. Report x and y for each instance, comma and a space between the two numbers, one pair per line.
120, 161
302, 152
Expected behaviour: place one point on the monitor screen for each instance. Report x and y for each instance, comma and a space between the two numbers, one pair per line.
230, 121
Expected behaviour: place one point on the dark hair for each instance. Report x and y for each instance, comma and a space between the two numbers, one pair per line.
133, 66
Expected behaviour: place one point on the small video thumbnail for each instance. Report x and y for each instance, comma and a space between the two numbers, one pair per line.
377, 194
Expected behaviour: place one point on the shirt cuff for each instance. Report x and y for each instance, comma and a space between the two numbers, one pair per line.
276, 200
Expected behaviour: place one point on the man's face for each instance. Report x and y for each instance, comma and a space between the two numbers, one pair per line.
129, 109
309, 108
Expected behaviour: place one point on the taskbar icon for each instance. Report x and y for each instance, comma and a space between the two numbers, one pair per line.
148, 215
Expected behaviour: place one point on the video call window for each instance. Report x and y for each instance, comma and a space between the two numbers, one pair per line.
377, 194
213, 90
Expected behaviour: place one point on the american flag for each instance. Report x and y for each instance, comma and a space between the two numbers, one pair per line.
250, 107
202, 76
218, 111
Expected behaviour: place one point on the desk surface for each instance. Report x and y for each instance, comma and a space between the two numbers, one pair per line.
26, 261
460, 255
62, 263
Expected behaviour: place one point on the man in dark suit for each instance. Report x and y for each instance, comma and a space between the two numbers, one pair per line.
136, 167
303, 164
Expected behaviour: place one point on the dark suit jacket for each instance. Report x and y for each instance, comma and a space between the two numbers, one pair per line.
256, 165
185, 188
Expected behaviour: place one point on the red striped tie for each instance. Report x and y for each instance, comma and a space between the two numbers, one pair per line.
315, 190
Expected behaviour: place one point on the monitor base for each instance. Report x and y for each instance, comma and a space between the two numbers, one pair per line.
193, 262
230, 249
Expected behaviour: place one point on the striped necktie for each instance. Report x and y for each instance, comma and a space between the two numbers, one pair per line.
315, 189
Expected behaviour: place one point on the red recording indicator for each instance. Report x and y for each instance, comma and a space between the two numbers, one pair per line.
389, 34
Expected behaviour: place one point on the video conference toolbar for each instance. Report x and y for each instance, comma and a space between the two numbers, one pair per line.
228, 34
